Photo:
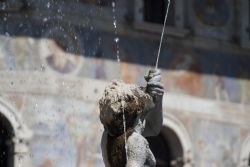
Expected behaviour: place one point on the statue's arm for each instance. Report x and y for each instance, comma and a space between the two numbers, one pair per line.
154, 118
104, 148
137, 151
150, 158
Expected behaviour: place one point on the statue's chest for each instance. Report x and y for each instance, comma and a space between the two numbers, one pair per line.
116, 150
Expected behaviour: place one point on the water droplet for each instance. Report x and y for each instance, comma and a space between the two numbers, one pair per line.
45, 19
5, 18
113, 4
114, 23
48, 5
116, 40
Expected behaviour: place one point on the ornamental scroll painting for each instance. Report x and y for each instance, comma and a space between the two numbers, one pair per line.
58, 52
213, 18
212, 12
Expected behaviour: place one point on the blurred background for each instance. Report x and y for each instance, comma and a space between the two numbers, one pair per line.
57, 56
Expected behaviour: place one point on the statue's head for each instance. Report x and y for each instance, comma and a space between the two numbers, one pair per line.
122, 98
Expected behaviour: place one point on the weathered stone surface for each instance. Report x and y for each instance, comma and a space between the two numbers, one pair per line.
121, 110
122, 98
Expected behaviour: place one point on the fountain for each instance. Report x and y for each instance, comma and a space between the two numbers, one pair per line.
129, 113
123, 142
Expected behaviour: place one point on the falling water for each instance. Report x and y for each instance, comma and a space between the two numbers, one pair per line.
162, 34
124, 129
116, 40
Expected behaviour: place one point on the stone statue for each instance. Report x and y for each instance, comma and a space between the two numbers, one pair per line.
129, 113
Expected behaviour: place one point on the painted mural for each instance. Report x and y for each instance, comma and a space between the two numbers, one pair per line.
211, 136
213, 19
59, 54
57, 59
212, 12
67, 133
194, 71
6, 56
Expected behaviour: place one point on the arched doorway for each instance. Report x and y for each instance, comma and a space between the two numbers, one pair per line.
14, 138
167, 149
155, 10
249, 159
172, 147
6, 143
245, 153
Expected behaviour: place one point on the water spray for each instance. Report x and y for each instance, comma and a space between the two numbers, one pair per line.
162, 34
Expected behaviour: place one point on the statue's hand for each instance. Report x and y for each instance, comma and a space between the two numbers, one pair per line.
154, 86
154, 117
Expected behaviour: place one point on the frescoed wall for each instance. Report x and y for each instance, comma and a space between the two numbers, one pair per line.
214, 136
214, 19
67, 131
54, 69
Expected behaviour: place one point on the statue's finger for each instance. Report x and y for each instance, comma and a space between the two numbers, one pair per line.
158, 90
153, 73
156, 78
155, 84
153, 93
156, 93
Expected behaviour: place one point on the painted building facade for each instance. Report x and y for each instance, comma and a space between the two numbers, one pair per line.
56, 57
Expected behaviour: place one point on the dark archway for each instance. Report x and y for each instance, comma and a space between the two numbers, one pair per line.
155, 11
249, 160
167, 149
6, 143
